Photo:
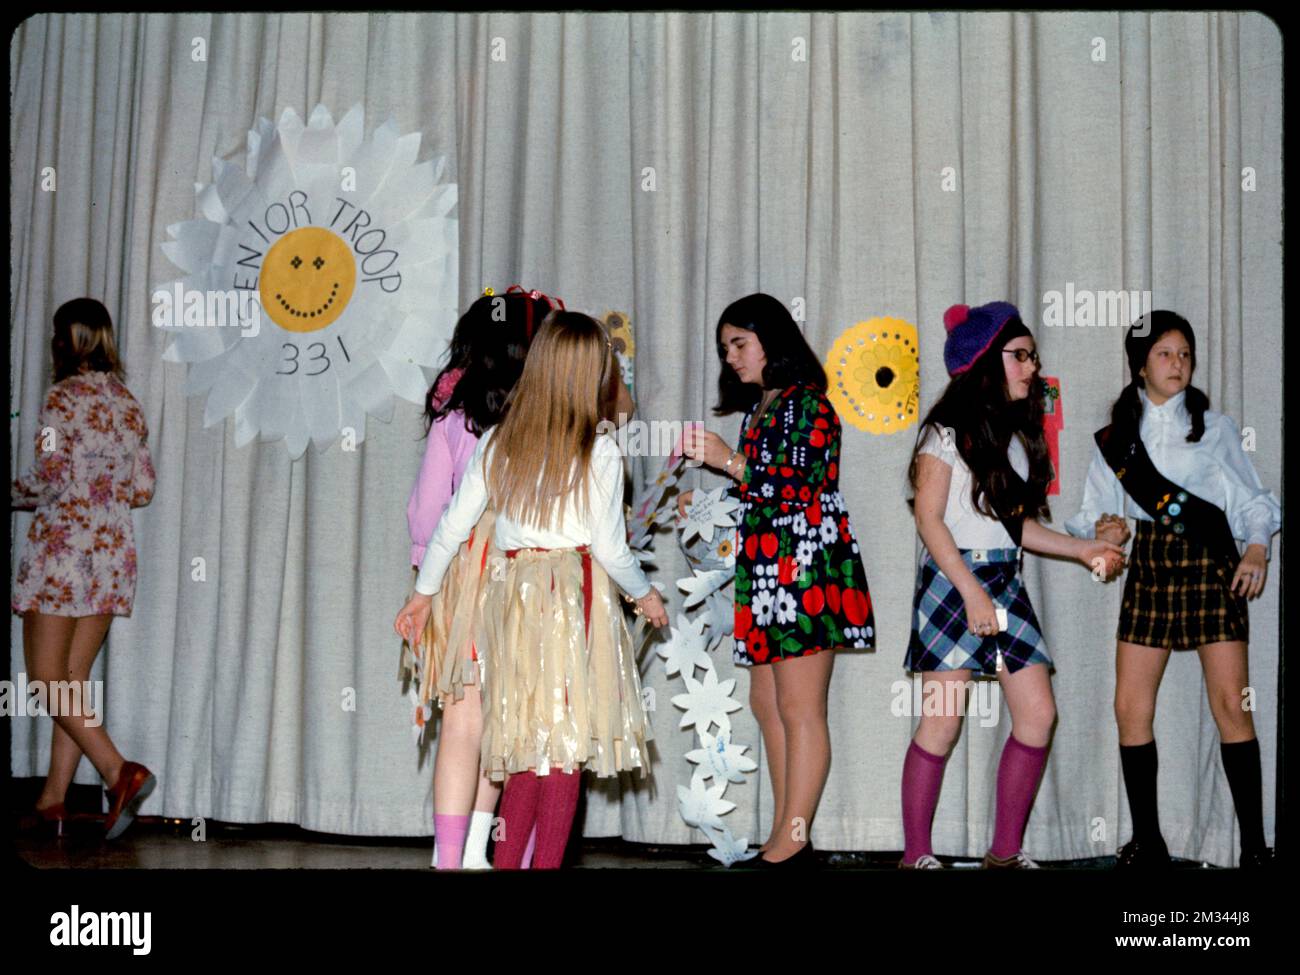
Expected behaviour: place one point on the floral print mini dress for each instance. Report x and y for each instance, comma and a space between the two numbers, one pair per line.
800, 584
92, 467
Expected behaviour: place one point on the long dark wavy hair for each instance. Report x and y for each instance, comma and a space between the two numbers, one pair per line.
790, 360
491, 348
1126, 412
984, 418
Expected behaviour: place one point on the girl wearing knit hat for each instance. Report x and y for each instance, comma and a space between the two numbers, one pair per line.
1178, 469
980, 473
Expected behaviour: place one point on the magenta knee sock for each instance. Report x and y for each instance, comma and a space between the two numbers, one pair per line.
518, 813
1018, 773
922, 776
555, 814
449, 836
528, 850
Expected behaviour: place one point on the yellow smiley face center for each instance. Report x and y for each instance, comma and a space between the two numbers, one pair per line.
307, 279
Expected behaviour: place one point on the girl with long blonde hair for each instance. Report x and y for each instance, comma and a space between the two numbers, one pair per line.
560, 686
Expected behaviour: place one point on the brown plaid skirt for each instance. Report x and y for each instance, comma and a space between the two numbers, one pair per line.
1177, 595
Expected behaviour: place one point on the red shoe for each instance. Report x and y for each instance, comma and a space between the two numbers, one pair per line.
44, 821
134, 783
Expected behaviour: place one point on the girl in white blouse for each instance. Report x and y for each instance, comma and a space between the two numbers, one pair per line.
980, 473
1178, 469
560, 686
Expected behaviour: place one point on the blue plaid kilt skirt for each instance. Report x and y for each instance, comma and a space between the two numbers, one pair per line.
940, 639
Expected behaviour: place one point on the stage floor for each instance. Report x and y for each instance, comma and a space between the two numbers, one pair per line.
153, 843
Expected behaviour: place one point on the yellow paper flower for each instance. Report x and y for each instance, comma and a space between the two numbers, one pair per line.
619, 327
874, 373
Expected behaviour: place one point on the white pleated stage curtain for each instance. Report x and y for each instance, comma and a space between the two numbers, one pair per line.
1094, 151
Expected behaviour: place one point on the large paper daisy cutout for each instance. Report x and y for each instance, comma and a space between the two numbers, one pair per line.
348, 247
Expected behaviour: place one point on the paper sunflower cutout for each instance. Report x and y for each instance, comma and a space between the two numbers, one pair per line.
619, 327
874, 372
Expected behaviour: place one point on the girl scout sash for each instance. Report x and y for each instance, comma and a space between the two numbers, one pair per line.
1173, 508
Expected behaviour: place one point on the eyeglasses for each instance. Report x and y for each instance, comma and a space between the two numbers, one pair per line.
1023, 355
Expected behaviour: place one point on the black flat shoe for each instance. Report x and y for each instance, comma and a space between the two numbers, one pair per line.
1257, 859
804, 859
1143, 855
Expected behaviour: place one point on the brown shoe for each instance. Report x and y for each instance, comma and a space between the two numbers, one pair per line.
134, 783
1017, 862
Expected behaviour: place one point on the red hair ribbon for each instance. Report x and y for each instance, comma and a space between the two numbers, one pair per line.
518, 289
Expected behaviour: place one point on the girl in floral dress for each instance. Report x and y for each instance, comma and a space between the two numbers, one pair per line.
78, 570
800, 585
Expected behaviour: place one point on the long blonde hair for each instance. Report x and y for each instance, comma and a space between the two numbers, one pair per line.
551, 420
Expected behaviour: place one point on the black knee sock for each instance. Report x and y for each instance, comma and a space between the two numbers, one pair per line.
1140, 763
1241, 763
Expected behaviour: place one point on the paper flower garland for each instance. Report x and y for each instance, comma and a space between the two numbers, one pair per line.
874, 372
707, 510
708, 541
347, 248
720, 759
685, 649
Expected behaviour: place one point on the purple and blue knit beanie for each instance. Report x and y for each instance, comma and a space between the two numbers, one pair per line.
971, 331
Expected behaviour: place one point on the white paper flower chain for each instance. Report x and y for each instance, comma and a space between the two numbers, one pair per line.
707, 702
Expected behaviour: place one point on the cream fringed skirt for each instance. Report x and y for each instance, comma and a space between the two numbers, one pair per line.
560, 682
451, 646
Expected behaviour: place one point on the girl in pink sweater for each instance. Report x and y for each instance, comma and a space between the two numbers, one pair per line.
486, 358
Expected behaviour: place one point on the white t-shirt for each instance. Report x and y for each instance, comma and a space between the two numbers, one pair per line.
969, 528
603, 528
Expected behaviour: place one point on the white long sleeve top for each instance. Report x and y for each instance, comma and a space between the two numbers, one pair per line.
1214, 468
602, 527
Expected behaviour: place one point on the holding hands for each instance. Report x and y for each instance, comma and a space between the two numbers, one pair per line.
1112, 528
1112, 532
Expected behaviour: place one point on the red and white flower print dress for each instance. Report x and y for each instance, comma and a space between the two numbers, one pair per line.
800, 584
92, 467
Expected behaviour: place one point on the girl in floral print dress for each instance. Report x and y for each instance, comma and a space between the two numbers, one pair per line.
78, 570
800, 585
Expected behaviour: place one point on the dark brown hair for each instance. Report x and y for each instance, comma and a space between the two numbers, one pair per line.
83, 336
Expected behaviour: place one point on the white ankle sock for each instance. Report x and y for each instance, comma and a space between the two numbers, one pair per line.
475, 855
